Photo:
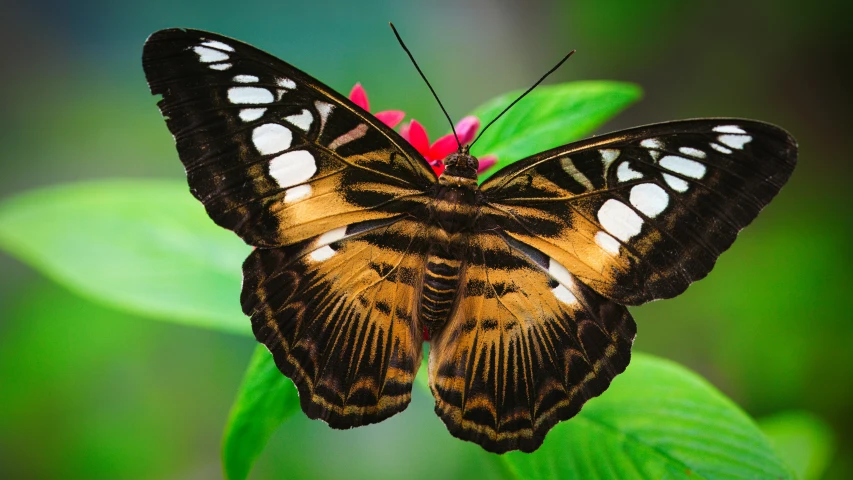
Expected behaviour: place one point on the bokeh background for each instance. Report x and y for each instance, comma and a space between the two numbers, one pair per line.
91, 392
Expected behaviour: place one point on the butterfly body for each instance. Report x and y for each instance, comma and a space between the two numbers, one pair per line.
441, 280
522, 281
454, 208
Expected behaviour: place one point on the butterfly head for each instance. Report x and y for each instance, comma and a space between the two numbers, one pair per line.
460, 169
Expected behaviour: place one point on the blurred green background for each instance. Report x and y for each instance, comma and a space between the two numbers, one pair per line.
90, 392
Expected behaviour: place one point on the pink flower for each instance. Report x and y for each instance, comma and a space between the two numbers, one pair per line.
388, 117
466, 129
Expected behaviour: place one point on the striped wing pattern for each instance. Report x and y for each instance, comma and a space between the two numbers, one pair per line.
273, 154
640, 214
337, 313
526, 347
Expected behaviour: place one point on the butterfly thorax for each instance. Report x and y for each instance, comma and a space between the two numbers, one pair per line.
460, 170
456, 193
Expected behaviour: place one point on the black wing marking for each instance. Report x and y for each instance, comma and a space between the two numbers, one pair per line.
640, 214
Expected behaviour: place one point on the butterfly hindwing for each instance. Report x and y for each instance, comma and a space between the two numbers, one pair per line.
526, 346
272, 153
338, 314
640, 214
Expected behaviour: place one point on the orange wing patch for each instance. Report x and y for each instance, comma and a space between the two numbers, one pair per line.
337, 312
525, 348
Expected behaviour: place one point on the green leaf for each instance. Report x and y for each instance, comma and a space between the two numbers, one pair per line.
548, 117
141, 245
803, 439
657, 420
265, 400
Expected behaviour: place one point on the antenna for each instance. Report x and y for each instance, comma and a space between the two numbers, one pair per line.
522, 96
430, 86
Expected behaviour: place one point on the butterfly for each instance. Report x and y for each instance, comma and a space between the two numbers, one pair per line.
521, 283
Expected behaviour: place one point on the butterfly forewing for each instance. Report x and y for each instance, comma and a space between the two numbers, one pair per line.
272, 153
640, 214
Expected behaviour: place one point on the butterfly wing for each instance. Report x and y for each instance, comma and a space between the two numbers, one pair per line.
526, 346
273, 154
337, 313
564, 238
321, 186
640, 214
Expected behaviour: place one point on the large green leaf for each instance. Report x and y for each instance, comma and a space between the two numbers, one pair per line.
657, 420
265, 400
145, 246
548, 117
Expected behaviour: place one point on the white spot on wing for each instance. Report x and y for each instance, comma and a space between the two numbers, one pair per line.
720, 148
564, 295
322, 254
302, 120
649, 199
293, 168
562, 275
677, 184
251, 114
652, 143
624, 173
619, 220
735, 141
654, 147
285, 83
271, 138
693, 152
560, 272
332, 236
245, 78
607, 242
324, 109
249, 95
729, 129
298, 192
688, 168
217, 44
209, 55
608, 156
220, 66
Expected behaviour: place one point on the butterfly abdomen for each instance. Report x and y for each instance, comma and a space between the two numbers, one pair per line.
452, 212
441, 281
